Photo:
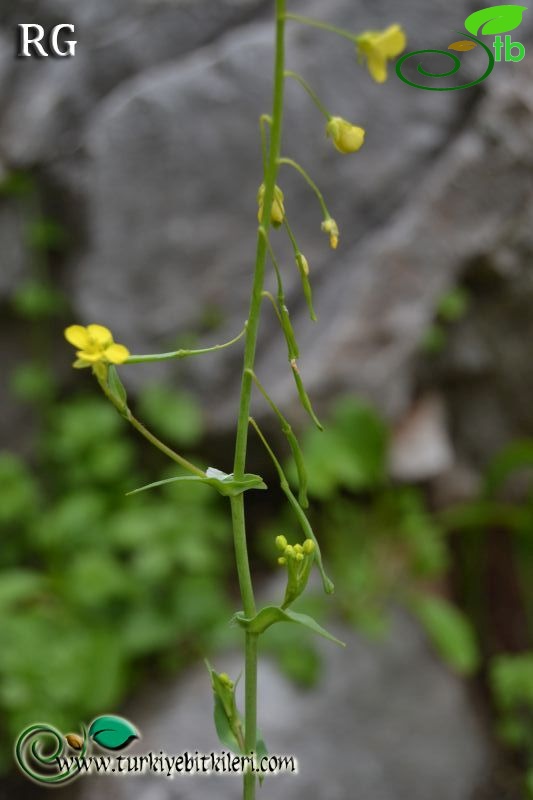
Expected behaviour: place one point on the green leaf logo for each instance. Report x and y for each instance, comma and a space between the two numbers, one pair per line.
497, 19
113, 733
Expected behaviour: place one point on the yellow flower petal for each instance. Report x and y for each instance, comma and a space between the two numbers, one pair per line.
392, 41
91, 358
379, 46
100, 335
77, 335
80, 364
377, 66
117, 353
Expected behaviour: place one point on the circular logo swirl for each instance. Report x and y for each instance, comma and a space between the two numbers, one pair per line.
456, 66
38, 761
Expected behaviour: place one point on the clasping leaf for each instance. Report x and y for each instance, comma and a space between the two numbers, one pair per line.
271, 614
227, 485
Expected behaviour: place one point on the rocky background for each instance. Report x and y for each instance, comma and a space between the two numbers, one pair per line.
145, 148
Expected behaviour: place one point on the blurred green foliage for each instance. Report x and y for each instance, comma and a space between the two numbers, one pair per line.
451, 308
503, 510
95, 585
383, 544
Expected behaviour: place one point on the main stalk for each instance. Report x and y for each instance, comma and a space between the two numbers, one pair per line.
241, 443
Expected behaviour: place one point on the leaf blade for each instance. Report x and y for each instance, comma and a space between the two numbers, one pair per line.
270, 615
227, 486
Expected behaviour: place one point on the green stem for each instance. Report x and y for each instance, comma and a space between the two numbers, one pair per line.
292, 440
184, 353
323, 26
300, 514
319, 196
163, 447
264, 120
250, 705
125, 412
241, 443
311, 92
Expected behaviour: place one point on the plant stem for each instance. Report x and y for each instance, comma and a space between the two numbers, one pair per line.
241, 443
184, 353
163, 447
312, 94
323, 26
290, 162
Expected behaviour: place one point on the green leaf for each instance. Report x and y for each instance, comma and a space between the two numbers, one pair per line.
113, 733
496, 19
351, 453
517, 456
511, 677
227, 485
223, 728
38, 300
32, 382
453, 305
17, 184
450, 631
270, 615
116, 387
227, 719
20, 586
46, 234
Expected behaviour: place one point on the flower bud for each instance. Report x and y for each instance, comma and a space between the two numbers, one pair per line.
281, 542
346, 137
329, 226
226, 680
277, 213
302, 264
308, 547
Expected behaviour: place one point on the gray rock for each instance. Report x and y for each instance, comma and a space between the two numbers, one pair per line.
50, 100
148, 141
387, 722
175, 233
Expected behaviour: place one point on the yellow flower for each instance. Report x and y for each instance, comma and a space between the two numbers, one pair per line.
277, 214
346, 137
377, 47
95, 345
330, 227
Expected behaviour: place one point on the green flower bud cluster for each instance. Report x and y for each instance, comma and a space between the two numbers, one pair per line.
298, 559
224, 690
